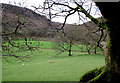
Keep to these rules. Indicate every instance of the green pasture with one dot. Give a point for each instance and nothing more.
(39, 44)
(46, 64)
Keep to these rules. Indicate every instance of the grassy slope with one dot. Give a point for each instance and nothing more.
(64, 68)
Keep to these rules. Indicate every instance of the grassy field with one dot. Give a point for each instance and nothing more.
(42, 45)
(47, 65)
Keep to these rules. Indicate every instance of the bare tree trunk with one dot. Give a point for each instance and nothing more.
(95, 48)
(70, 52)
(113, 48)
(111, 72)
(88, 49)
(113, 31)
(70, 48)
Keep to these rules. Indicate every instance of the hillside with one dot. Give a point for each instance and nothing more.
(12, 13)
(34, 22)
(36, 25)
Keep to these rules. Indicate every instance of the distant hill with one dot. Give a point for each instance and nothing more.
(36, 25)
(11, 13)
(34, 22)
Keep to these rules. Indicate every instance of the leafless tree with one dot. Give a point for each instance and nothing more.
(13, 29)
(111, 24)
(66, 40)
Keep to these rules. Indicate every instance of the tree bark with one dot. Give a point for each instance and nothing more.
(70, 48)
(95, 48)
(88, 49)
(70, 52)
(111, 72)
(111, 13)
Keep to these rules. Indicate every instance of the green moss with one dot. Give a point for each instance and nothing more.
(108, 39)
(97, 78)
(109, 47)
(104, 19)
(100, 75)
(90, 75)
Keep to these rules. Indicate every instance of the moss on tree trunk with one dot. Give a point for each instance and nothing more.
(111, 72)
(100, 75)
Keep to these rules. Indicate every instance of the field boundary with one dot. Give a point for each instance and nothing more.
(72, 50)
